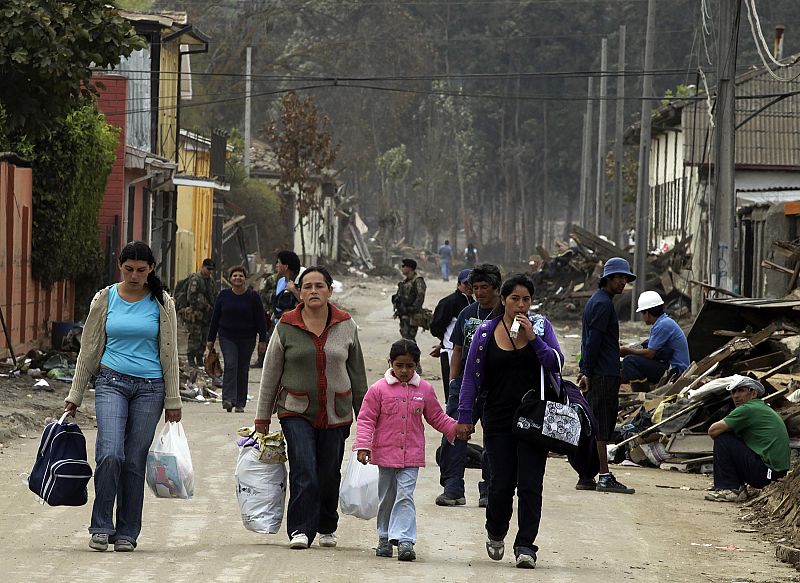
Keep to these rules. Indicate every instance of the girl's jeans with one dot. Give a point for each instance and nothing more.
(397, 515)
(128, 409)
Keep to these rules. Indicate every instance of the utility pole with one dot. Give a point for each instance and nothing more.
(643, 178)
(600, 184)
(584, 147)
(247, 90)
(722, 264)
(586, 166)
(619, 150)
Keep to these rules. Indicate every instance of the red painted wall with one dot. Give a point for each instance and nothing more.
(112, 102)
(28, 308)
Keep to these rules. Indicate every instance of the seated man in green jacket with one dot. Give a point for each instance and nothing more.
(751, 445)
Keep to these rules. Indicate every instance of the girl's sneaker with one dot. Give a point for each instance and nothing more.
(405, 551)
(384, 548)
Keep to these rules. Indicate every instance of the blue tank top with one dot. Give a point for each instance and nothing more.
(132, 337)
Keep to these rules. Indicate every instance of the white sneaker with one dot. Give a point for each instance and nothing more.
(298, 541)
(327, 540)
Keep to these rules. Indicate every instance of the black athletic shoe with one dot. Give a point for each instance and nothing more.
(586, 484)
(609, 483)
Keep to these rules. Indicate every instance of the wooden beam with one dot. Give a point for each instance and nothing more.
(770, 265)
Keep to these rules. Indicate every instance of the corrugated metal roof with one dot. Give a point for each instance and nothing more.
(771, 138)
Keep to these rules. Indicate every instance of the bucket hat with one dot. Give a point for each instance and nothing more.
(617, 265)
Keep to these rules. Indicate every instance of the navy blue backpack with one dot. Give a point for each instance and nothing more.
(61, 472)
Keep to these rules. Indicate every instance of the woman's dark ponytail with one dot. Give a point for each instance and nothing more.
(156, 286)
(140, 251)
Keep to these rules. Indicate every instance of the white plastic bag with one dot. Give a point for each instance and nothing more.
(169, 470)
(261, 491)
(358, 494)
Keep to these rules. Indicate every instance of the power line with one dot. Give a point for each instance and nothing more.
(578, 74)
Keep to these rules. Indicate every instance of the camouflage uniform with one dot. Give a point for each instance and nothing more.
(408, 302)
(201, 295)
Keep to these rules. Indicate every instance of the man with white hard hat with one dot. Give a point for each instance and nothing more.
(665, 350)
(751, 444)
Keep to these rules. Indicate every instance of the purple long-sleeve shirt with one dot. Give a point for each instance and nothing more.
(545, 344)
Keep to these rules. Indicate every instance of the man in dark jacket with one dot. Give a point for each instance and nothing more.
(444, 319)
(599, 376)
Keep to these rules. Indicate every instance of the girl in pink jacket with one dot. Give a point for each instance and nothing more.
(391, 435)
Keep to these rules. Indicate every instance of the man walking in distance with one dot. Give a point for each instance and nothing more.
(409, 298)
(201, 292)
(599, 376)
(267, 295)
(444, 321)
(445, 258)
(287, 296)
(485, 280)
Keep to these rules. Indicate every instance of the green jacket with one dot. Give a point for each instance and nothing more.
(201, 294)
(321, 379)
(410, 296)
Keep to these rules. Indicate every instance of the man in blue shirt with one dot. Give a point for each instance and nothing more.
(599, 376)
(485, 280)
(445, 257)
(665, 350)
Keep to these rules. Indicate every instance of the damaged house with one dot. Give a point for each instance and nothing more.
(767, 181)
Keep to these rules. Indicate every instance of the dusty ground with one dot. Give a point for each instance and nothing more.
(657, 535)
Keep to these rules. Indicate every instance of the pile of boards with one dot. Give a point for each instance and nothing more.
(567, 277)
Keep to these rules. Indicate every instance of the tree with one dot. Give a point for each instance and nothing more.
(393, 166)
(46, 53)
(304, 149)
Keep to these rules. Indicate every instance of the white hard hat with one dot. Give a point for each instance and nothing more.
(649, 299)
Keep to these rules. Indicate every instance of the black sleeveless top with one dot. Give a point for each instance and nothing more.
(509, 375)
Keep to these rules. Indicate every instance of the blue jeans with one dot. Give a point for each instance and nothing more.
(445, 266)
(128, 410)
(397, 515)
(315, 462)
(454, 457)
(236, 353)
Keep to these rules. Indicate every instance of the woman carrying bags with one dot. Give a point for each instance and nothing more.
(238, 316)
(504, 362)
(314, 376)
(130, 343)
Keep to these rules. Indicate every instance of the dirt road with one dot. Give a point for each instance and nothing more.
(657, 535)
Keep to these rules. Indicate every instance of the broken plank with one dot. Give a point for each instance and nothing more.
(774, 370)
(770, 265)
(765, 361)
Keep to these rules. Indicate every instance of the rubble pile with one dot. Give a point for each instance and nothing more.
(667, 426)
(567, 278)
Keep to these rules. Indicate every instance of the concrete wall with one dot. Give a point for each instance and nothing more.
(28, 308)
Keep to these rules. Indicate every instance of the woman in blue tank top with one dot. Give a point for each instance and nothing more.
(129, 344)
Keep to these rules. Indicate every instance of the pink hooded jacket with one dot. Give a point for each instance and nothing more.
(390, 421)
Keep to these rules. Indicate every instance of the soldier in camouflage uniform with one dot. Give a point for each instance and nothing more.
(409, 298)
(201, 294)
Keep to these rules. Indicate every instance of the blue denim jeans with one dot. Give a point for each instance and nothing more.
(445, 266)
(397, 515)
(236, 353)
(128, 410)
(315, 462)
(454, 457)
